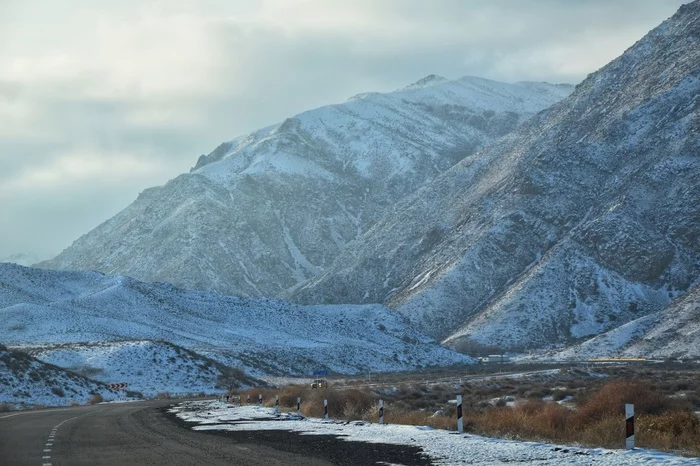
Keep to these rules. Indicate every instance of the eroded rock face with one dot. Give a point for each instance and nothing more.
(271, 209)
(582, 219)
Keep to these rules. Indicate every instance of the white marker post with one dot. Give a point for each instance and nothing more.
(298, 406)
(260, 399)
(629, 425)
(277, 404)
(247, 400)
(381, 411)
(325, 409)
(460, 425)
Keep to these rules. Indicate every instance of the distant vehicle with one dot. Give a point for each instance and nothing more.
(494, 358)
(319, 383)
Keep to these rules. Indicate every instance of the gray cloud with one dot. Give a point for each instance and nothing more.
(104, 99)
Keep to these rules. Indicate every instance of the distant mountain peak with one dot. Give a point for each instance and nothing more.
(429, 80)
(21, 259)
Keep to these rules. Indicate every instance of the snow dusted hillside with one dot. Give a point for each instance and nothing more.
(149, 367)
(262, 337)
(671, 333)
(268, 210)
(25, 381)
(583, 219)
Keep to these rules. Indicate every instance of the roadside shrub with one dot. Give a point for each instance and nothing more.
(96, 398)
(4, 407)
(611, 399)
(288, 397)
(670, 431)
(58, 391)
(356, 403)
(163, 396)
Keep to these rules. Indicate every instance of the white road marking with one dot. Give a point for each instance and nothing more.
(53, 434)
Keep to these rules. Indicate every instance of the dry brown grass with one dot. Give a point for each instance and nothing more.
(597, 420)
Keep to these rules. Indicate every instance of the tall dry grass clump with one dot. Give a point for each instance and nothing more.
(610, 400)
(532, 419)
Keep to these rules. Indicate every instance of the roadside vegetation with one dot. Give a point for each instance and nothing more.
(574, 406)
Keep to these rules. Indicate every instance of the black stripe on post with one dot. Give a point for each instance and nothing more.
(629, 426)
(460, 425)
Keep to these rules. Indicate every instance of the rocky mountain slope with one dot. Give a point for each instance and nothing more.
(44, 308)
(26, 381)
(584, 218)
(673, 332)
(266, 211)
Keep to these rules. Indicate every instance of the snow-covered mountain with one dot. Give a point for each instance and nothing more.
(26, 381)
(262, 337)
(671, 333)
(268, 210)
(21, 259)
(584, 218)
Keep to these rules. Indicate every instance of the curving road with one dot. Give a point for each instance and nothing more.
(142, 434)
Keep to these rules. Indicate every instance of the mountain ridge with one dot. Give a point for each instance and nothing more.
(580, 220)
(268, 210)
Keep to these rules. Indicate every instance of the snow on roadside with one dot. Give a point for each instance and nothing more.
(442, 446)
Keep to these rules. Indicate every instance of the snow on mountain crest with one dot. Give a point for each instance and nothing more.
(429, 80)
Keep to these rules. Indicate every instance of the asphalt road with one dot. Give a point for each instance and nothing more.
(142, 434)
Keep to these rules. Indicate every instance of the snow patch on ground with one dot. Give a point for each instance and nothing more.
(443, 447)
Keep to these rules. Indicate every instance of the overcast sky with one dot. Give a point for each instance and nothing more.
(100, 100)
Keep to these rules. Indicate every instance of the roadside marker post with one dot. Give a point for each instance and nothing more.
(260, 399)
(381, 411)
(629, 426)
(247, 401)
(460, 425)
(277, 404)
(325, 409)
(298, 406)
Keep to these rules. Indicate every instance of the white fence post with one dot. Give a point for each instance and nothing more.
(325, 409)
(260, 399)
(381, 411)
(629, 426)
(277, 404)
(247, 400)
(298, 406)
(460, 425)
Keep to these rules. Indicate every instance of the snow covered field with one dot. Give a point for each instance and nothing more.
(443, 447)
